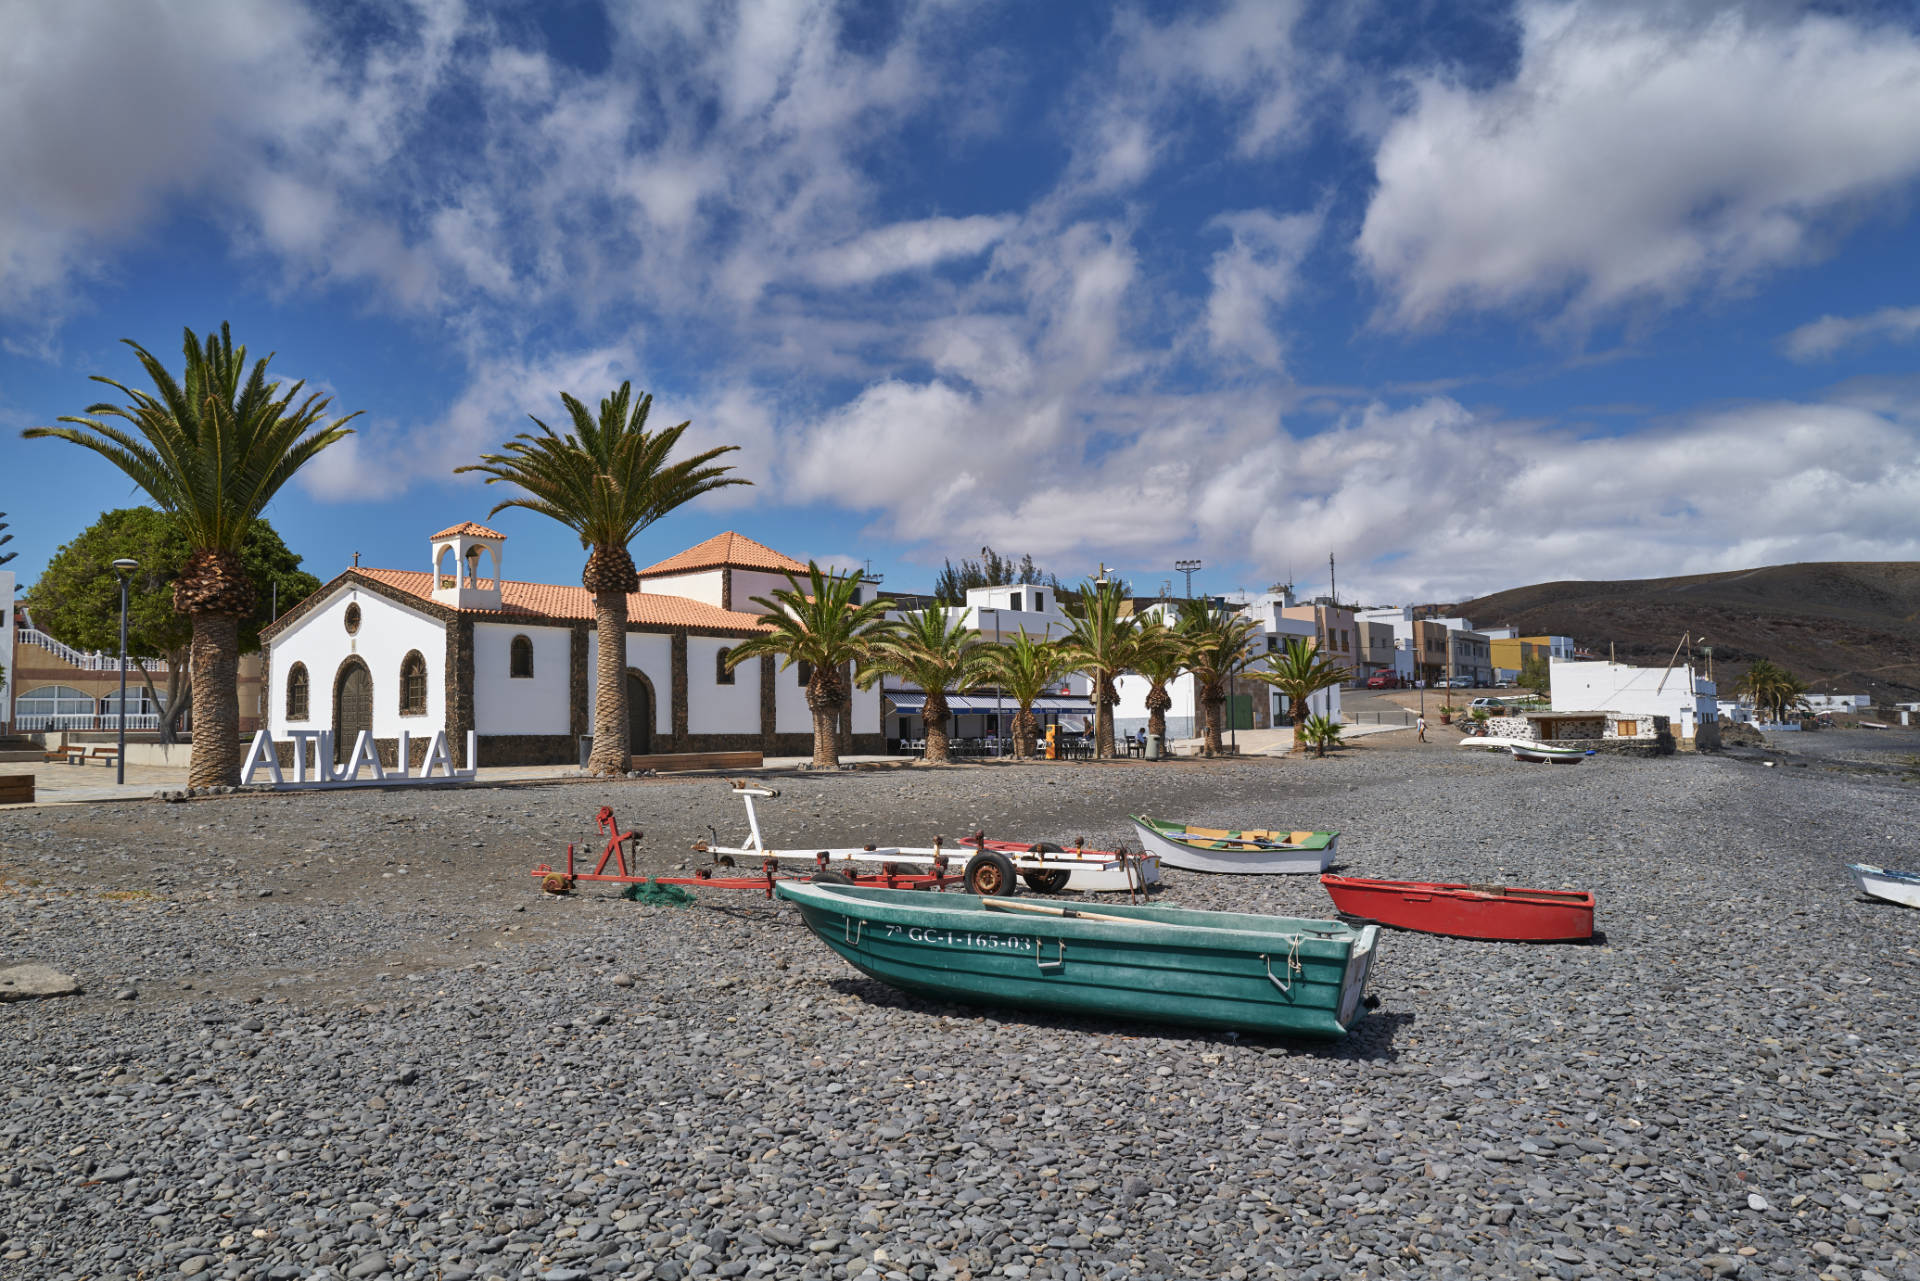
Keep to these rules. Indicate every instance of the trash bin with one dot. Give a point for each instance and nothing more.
(1153, 747)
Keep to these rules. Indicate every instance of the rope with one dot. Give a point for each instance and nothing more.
(654, 894)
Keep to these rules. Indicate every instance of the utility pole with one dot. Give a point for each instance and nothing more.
(1333, 584)
(1187, 567)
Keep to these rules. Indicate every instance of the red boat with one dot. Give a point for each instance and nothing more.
(1467, 911)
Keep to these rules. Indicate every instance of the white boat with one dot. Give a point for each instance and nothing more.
(1049, 869)
(1213, 849)
(1895, 887)
(1491, 742)
(1538, 752)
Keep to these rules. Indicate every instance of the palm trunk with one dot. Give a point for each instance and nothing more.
(1104, 699)
(1158, 700)
(1213, 707)
(216, 701)
(1026, 733)
(612, 752)
(826, 738)
(936, 715)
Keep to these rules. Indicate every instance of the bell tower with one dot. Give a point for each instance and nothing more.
(458, 553)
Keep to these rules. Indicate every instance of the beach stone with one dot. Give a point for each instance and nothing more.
(35, 982)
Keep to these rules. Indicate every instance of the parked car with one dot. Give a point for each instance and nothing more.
(1459, 682)
(1383, 680)
(1494, 706)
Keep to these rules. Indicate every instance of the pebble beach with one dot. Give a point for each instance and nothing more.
(345, 1035)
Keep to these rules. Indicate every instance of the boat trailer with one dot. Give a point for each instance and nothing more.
(614, 853)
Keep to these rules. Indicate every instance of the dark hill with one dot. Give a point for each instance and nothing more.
(1848, 627)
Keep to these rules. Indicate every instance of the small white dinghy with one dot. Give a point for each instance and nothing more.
(1895, 887)
(1491, 742)
(1538, 752)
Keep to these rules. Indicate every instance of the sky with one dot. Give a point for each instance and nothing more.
(1467, 295)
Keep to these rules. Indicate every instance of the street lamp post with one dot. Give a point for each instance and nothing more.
(999, 711)
(123, 567)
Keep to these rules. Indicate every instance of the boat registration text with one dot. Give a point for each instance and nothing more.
(964, 938)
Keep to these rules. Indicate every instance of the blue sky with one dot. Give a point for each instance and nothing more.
(1468, 295)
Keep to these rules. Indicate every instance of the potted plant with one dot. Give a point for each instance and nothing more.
(1447, 713)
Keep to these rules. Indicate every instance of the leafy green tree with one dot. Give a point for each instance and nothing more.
(77, 598)
(607, 479)
(1536, 674)
(1219, 646)
(1299, 672)
(1024, 669)
(1774, 691)
(936, 650)
(819, 625)
(211, 450)
(951, 585)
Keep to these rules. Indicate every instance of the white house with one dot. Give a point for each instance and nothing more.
(454, 648)
(1849, 703)
(1687, 700)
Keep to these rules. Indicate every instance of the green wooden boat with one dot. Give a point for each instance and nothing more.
(1269, 974)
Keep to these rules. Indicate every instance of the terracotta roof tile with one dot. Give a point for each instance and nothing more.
(573, 604)
(469, 528)
(736, 550)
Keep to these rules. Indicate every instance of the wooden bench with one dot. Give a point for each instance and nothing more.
(668, 762)
(105, 755)
(56, 754)
(16, 789)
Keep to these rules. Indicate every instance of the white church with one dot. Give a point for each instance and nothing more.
(460, 647)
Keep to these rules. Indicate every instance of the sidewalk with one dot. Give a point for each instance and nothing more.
(1279, 742)
(58, 784)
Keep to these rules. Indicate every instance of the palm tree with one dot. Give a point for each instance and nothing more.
(607, 479)
(820, 627)
(1101, 644)
(1160, 655)
(1299, 671)
(936, 650)
(1218, 648)
(211, 451)
(1024, 669)
(1774, 690)
(1321, 732)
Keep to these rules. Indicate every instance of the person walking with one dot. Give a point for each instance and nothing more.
(1422, 723)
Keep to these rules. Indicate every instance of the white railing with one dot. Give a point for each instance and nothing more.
(85, 721)
(94, 662)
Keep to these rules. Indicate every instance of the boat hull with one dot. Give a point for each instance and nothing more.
(1194, 857)
(1536, 755)
(1895, 887)
(1270, 975)
(1467, 911)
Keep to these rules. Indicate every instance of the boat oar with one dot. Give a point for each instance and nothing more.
(1044, 909)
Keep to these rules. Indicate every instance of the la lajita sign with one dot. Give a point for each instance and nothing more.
(317, 745)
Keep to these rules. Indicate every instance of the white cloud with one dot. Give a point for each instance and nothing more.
(1638, 154)
(1252, 277)
(905, 246)
(1819, 339)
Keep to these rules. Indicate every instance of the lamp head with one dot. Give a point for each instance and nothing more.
(125, 565)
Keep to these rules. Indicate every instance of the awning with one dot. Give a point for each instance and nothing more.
(975, 704)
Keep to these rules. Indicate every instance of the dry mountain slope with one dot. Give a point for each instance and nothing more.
(1844, 626)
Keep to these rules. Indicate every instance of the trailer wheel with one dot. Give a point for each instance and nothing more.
(725, 860)
(989, 873)
(830, 878)
(556, 883)
(1047, 847)
(1048, 880)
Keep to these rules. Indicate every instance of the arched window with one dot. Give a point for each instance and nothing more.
(803, 671)
(297, 692)
(53, 707)
(520, 657)
(353, 619)
(722, 674)
(413, 685)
